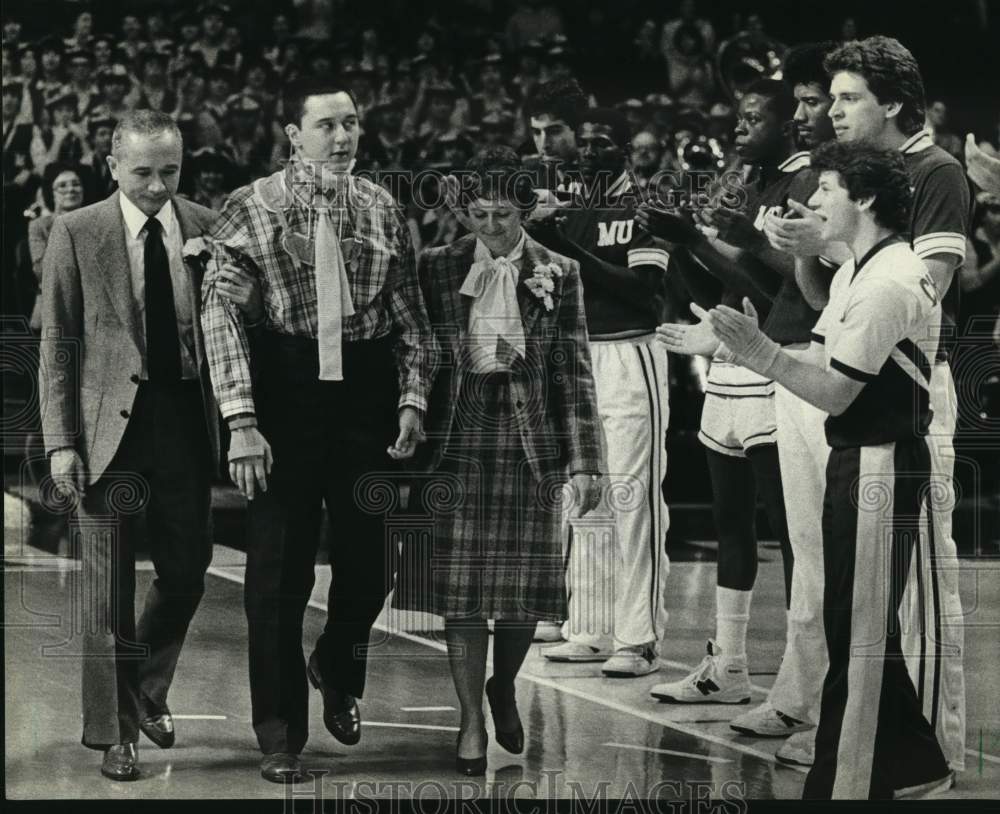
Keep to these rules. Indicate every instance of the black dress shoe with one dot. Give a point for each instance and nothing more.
(340, 709)
(512, 739)
(120, 762)
(471, 766)
(281, 767)
(159, 728)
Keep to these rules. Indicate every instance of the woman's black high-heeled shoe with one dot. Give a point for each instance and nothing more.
(512, 739)
(471, 766)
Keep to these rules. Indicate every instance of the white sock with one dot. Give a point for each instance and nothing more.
(732, 615)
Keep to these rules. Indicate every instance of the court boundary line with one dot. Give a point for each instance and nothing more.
(601, 701)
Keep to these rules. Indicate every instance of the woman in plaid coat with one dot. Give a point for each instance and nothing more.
(513, 429)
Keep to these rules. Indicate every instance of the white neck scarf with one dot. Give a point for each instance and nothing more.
(333, 296)
(495, 314)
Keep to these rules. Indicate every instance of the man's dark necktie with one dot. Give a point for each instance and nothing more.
(163, 349)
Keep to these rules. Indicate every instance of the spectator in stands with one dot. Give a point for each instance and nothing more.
(115, 85)
(492, 96)
(99, 132)
(689, 66)
(688, 17)
(258, 86)
(232, 43)
(59, 138)
(211, 45)
(132, 44)
(52, 78)
(220, 88)
(103, 51)
(647, 155)
(63, 190)
(157, 32)
(83, 32)
(17, 136)
(81, 82)
(937, 123)
(212, 175)
(533, 19)
(154, 92)
(248, 142)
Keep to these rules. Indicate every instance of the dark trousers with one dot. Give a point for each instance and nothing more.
(163, 465)
(872, 739)
(329, 441)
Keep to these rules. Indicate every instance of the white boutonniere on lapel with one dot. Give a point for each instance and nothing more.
(542, 282)
(197, 249)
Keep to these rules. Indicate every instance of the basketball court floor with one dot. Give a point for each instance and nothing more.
(587, 736)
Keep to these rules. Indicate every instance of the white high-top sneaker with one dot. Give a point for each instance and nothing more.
(717, 680)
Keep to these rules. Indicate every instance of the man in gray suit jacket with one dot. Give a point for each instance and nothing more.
(130, 422)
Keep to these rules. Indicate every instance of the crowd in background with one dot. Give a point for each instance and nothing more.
(434, 82)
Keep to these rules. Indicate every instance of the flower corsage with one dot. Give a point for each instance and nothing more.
(542, 282)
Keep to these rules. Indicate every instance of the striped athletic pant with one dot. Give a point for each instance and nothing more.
(617, 556)
(873, 739)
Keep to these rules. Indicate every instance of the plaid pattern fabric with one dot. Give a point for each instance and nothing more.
(494, 552)
(503, 445)
(272, 225)
(553, 387)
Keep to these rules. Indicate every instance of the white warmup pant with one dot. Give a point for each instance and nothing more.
(802, 454)
(931, 617)
(617, 559)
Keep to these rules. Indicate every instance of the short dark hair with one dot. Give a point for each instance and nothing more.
(496, 172)
(870, 172)
(779, 96)
(145, 123)
(891, 72)
(621, 132)
(53, 171)
(804, 64)
(559, 98)
(297, 91)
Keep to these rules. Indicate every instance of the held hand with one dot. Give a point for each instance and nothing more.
(67, 471)
(586, 493)
(411, 433)
(691, 340)
(250, 461)
(241, 289)
(668, 226)
(799, 234)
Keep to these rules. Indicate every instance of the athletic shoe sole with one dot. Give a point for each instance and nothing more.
(744, 730)
(577, 659)
(673, 700)
(630, 673)
(791, 761)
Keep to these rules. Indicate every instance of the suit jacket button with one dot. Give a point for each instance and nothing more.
(124, 413)
(134, 378)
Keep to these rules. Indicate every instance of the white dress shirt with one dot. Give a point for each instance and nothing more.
(135, 240)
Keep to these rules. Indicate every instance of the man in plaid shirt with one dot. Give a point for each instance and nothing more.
(340, 363)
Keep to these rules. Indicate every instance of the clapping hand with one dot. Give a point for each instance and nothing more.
(737, 229)
(743, 336)
(666, 225)
(799, 235)
(739, 330)
(690, 340)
